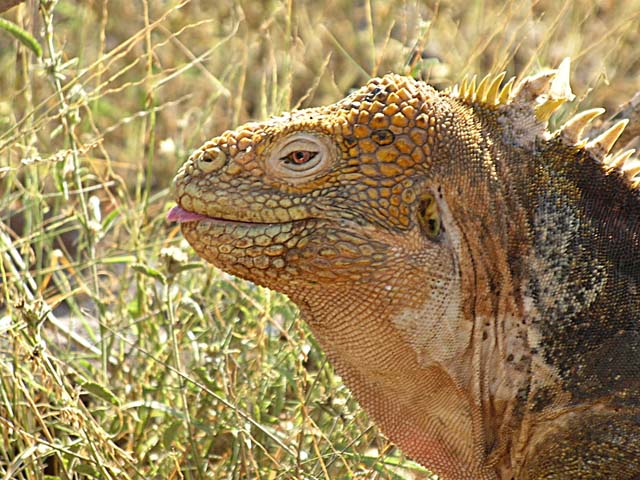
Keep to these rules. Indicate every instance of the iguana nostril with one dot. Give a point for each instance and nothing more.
(211, 160)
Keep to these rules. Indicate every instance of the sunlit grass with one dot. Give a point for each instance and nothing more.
(121, 354)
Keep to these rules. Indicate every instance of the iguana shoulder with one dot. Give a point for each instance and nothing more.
(472, 276)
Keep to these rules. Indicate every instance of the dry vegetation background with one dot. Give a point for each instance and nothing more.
(123, 356)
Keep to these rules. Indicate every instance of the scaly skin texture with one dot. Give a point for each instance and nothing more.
(473, 278)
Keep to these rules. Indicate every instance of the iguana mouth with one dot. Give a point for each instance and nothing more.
(180, 215)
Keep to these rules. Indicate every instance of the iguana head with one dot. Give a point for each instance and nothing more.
(323, 195)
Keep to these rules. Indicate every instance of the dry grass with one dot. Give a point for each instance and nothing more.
(123, 356)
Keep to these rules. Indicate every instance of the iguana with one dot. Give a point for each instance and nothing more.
(473, 277)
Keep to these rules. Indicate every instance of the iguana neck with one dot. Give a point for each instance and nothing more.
(398, 347)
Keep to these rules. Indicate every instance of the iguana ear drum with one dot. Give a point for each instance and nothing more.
(429, 216)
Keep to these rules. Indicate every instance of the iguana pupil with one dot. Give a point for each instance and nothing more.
(299, 157)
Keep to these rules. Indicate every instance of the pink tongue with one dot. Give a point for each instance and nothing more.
(179, 214)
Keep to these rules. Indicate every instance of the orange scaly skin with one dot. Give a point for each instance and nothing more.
(453, 259)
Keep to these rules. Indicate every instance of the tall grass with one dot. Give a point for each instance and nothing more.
(121, 354)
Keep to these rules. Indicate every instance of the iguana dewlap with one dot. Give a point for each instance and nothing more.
(473, 278)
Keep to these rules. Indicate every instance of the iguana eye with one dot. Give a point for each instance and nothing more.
(299, 157)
